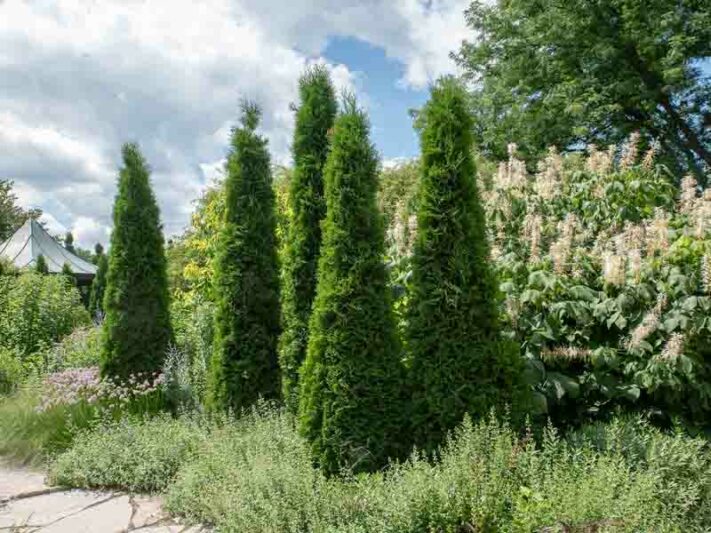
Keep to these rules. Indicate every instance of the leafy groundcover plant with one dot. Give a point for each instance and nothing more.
(255, 474)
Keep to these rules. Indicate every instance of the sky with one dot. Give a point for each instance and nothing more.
(79, 77)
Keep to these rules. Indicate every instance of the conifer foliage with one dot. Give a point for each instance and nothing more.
(98, 287)
(314, 119)
(351, 380)
(459, 365)
(137, 328)
(41, 266)
(244, 365)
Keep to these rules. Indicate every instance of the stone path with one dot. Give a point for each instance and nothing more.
(28, 505)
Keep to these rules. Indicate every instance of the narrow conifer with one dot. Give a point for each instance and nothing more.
(244, 364)
(41, 266)
(314, 119)
(351, 380)
(459, 365)
(137, 328)
(98, 287)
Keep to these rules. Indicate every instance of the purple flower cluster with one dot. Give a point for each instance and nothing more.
(85, 385)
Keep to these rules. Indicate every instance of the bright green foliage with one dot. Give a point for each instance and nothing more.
(68, 274)
(12, 216)
(244, 364)
(350, 408)
(606, 268)
(137, 328)
(565, 73)
(459, 364)
(41, 266)
(37, 310)
(140, 457)
(98, 286)
(314, 119)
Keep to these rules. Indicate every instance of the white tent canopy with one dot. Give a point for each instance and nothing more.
(31, 241)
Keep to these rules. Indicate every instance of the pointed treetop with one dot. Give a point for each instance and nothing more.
(251, 115)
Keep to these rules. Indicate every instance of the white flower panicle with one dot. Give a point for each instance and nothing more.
(547, 184)
(630, 151)
(706, 274)
(648, 159)
(562, 248)
(512, 174)
(657, 232)
(687, 199)
(570, 353)
(673, 348)
(599, 162)
(532, 229)
(613, 268)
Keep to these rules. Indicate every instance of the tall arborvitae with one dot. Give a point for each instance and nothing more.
(244, 364)
(98, 287)
(351, 382)
(314, 119)
(459, 364)
(41, 266)
(137, 328)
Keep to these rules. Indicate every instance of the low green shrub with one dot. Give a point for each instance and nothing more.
(136, 454)
(255, 474)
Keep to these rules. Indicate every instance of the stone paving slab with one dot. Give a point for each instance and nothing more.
(28, 505)
(17, 481)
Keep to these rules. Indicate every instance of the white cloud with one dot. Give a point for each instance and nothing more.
(79, 78)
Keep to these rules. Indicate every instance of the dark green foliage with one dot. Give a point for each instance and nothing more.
(314, 119)
(41, 266)
(68, 274)
(459, 364)
(351, 382)
(69, 242)
(244, 364)
(98, 287)
(565, 73)
(98, 252)
(137, 328)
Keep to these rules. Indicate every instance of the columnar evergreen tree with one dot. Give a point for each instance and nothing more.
(137, 328)
(69, 242)
(67, 273)
(459, 364)
(98, 287)
(41, 266)
(351, 381)
(98, 253)
(314, 119)
(244, 365)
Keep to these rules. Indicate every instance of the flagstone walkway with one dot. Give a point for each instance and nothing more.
(28, 505)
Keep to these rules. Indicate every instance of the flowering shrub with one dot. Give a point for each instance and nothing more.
(85, 385)
(604, 265)
(605, 272)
